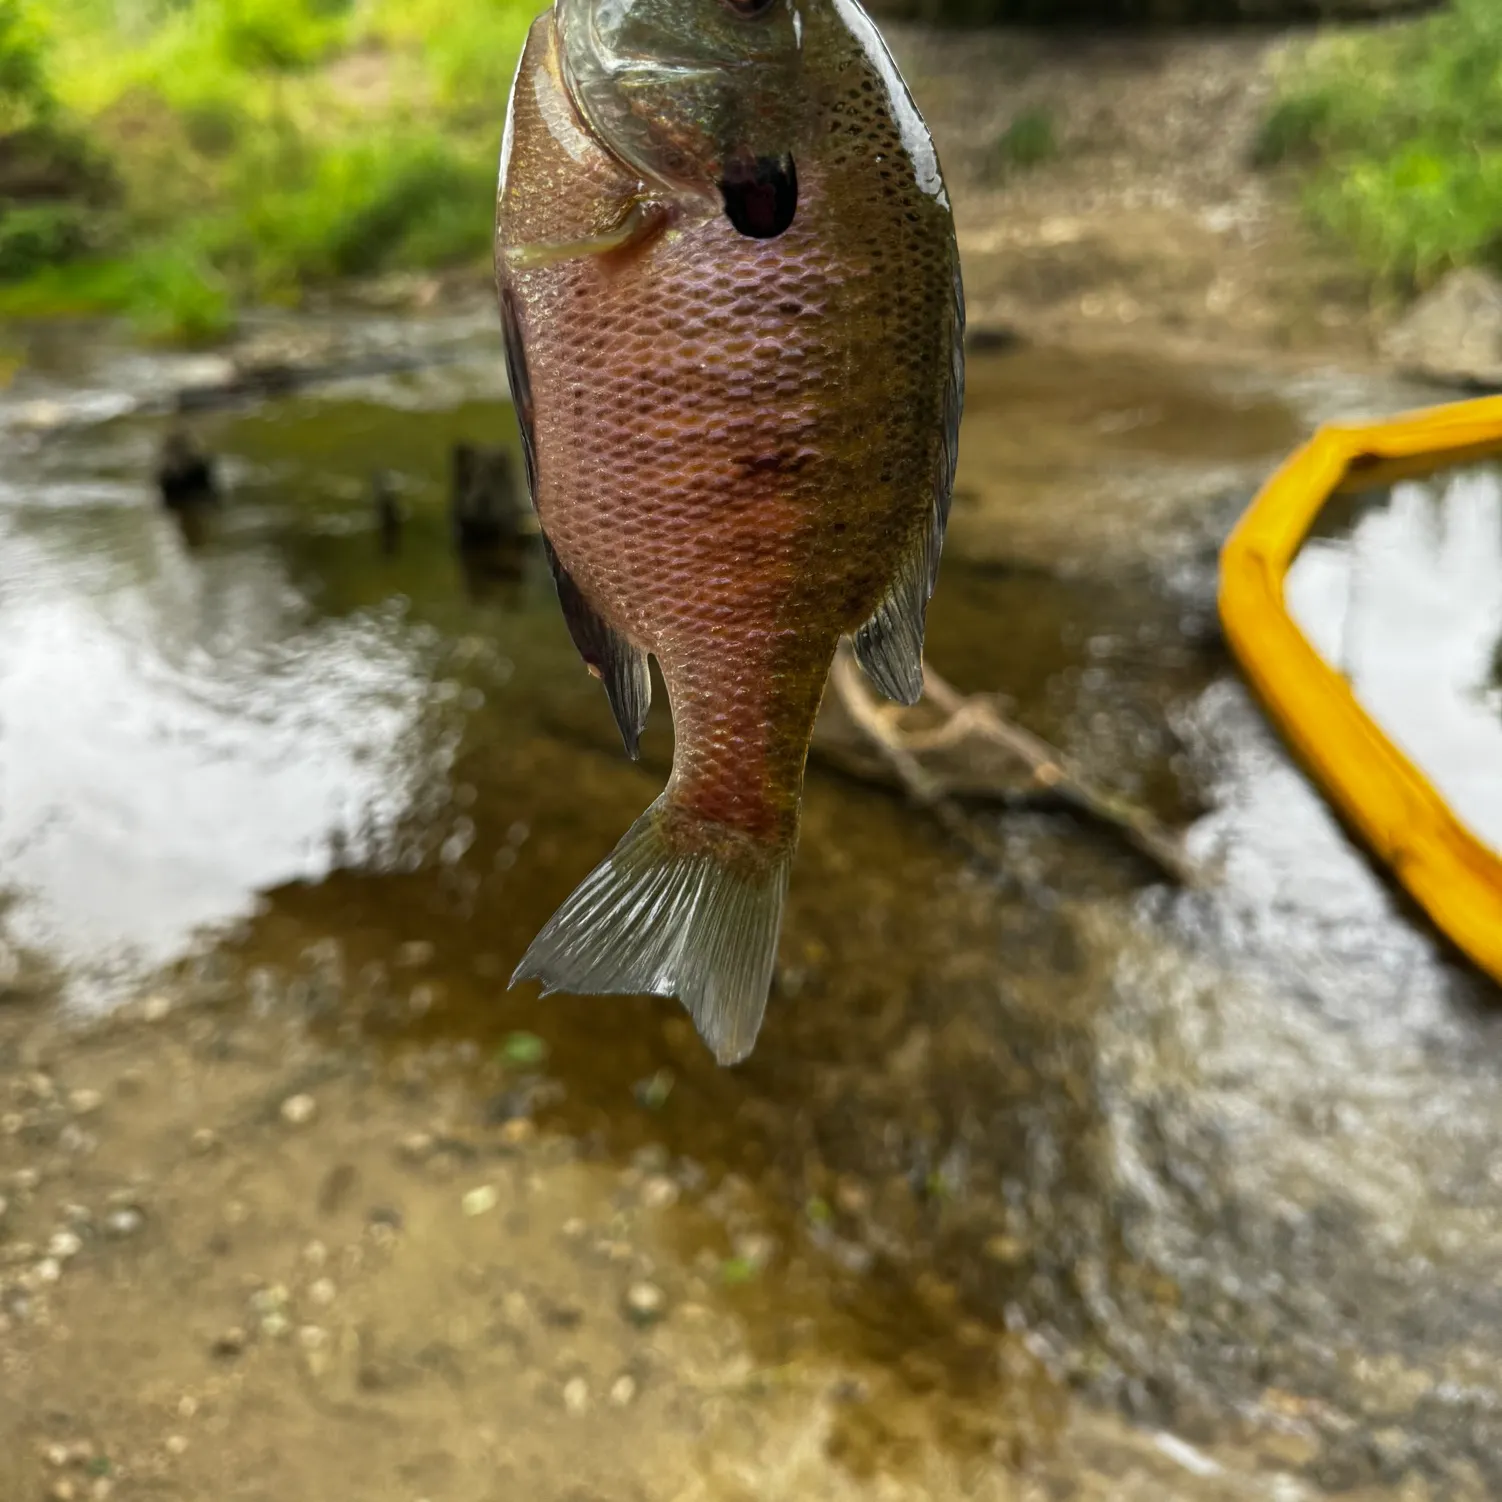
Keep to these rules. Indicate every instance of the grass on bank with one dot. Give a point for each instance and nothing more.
(1399, 132)
(246, 150)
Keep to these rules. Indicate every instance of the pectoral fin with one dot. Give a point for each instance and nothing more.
(889, 646)
(621, 667)
(643, 219)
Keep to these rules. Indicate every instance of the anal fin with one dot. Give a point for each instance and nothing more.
(621, 667)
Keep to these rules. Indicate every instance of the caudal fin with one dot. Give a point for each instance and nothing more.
(696, 918)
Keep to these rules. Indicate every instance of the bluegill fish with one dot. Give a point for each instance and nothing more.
(734, 333)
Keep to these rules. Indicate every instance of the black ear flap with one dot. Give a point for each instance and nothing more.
(761, 196)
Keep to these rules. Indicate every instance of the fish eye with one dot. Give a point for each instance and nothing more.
(749, 9)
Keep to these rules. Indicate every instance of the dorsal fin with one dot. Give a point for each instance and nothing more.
(889, 646)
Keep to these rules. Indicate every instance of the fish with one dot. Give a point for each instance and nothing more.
(733, 320)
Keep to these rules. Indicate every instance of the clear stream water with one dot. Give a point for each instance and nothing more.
(1216, 1151)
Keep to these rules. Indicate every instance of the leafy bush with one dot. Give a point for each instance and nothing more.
(34, 236)
(1399, 131)
(264, 146)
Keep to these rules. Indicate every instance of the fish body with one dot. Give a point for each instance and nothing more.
(733, 316)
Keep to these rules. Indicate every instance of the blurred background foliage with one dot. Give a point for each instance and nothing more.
(171, 158)
(175, 159)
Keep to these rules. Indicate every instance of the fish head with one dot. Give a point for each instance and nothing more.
(701, 96)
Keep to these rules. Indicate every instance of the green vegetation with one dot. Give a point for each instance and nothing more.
(204, 153)
(1029, 141)
(1399, 133)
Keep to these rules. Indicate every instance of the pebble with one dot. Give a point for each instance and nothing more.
(123, 1223)
(480, 1201)
(156, 1008)
(269, 1300)
(323, 1293)
(576, 1395)
(275, 1326)
(652, 1158)
(312, 1337)
(852, 1197)
(755, 1249)
(203, 1141)
(623, 1391)
(176, 1444)
(645, 1304)
(64, 1246)
(659, 1192)
(63, 1491)
(85, 1102)
(315, 1254)
(518, 1130)
(417, 1147)
(299, 1110)
(49, 1270)
(57, 1456)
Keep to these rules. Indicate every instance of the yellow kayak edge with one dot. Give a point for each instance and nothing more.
(1454, 876)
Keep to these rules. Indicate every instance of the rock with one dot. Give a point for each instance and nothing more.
(1453, 334)
(659, 1192)
(645, 1304)
(85, 1102)
(123, 1223)
(299, 1110)
(480, 1201)
(323, 1292)
(64, 1246)
(623, 1391)
(576, 1395)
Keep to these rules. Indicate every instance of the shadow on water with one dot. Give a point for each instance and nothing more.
(1224, 1159)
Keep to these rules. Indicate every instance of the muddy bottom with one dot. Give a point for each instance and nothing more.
(1045, 1180)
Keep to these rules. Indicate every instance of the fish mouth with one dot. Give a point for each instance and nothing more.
(760, 195)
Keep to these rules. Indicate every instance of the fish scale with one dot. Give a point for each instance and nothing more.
(741, 449)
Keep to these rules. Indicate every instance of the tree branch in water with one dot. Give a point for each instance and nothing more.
(973, 722)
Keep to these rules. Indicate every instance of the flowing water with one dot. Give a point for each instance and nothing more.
(1048, 1145)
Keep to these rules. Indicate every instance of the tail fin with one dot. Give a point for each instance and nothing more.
(696, 918)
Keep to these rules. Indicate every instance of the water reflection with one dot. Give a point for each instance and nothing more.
(178, 728)
(1408, 606)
